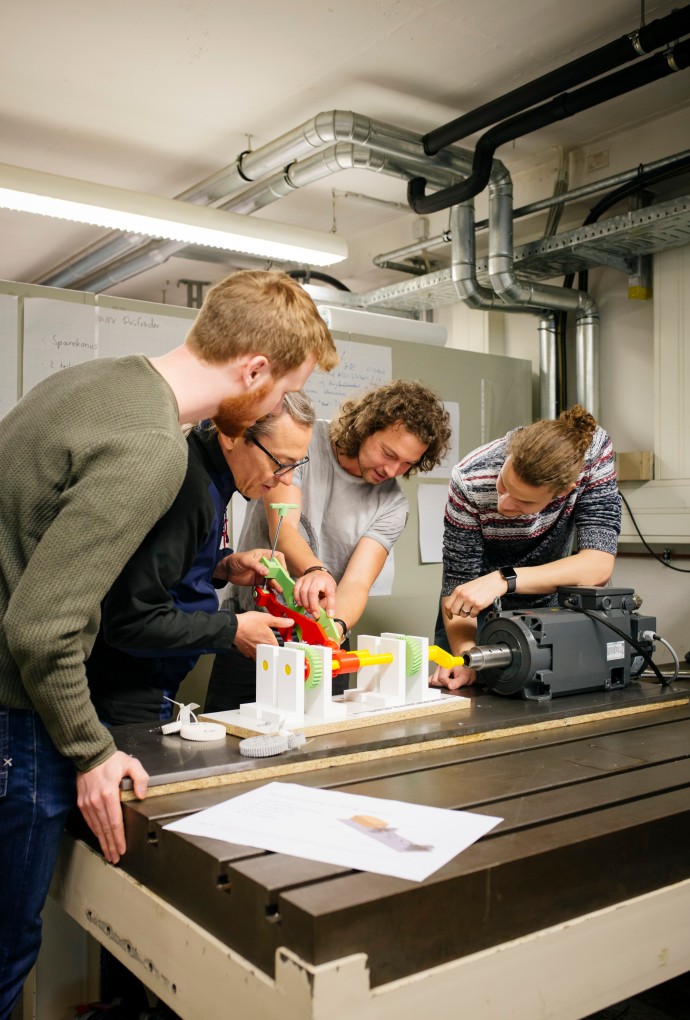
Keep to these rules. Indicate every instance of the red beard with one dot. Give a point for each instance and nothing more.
(235, 414)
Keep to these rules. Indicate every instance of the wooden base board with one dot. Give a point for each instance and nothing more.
(238, 724)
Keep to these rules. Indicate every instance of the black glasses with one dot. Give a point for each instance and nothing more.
(282, 469)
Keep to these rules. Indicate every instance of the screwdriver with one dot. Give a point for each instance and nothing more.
(282, 510)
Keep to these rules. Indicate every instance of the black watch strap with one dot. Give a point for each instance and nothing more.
(346, 632)
(509, 574)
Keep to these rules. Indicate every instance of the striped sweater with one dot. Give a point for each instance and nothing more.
(478, 540)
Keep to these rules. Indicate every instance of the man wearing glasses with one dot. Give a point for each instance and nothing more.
(162, 612)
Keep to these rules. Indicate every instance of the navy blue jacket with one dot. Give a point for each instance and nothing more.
(162, 612)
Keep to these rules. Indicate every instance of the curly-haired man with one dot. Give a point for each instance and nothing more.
(350, 511)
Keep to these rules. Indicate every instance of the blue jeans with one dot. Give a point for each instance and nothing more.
(37, 791)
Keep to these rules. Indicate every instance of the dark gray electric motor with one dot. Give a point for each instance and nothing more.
(544, 653)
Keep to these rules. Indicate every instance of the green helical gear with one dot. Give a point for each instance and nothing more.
(312, 659)
(413, 654)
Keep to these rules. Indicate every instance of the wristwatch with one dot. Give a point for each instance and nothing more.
(343, 625)
(509, 574)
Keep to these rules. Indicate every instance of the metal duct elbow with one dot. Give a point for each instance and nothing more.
(501, 261)
(469, 290)
(301, 173)
(463, 261)
(337, 126)
(341, 156)
(325, 128)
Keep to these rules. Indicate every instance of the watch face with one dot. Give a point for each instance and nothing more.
(510, 576)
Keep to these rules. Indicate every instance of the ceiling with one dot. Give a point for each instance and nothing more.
(156, 95)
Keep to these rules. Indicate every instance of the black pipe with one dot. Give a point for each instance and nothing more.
(564, 106)
(613, 54)
(644, 179)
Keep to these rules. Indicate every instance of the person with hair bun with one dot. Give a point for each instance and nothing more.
(514, 508)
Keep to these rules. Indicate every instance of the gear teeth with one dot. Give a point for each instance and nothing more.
(313, 660)
(203, 731)
(413, 654)
(264, 745)
(296, 740)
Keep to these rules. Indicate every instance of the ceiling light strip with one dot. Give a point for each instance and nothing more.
(78, 201)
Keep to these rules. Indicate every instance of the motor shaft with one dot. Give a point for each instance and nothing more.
(487, 657)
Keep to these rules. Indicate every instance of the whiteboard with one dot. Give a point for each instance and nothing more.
(121, 331)
(57, 334)
(9, 352)
(60, 333)
(360, 368)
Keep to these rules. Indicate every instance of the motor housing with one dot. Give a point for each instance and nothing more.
(545, 653)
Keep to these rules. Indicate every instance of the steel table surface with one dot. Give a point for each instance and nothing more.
(593, 790)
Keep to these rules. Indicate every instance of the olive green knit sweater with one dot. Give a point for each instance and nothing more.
(89, 460)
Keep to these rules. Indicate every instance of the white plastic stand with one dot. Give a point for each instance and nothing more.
(281, 692)
(284, 698)
(388, 685)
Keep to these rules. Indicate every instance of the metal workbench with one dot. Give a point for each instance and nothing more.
(579, 898)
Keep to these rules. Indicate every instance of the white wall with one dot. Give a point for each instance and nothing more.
(665, 594)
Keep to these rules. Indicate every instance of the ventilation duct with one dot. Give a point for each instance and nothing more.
(342, 319)
(347, 141)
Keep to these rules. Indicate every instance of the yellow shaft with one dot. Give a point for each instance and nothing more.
(443, 658)
(367, 659)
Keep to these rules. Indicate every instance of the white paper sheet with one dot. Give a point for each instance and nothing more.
(431, 505)
(362, 367)
(386, 837)
(445, 468)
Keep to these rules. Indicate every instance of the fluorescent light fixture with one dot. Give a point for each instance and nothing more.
(343, 319)
(98, 204)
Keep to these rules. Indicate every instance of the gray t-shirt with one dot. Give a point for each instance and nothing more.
(337, 510)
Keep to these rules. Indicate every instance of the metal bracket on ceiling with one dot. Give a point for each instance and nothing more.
(195, 291)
